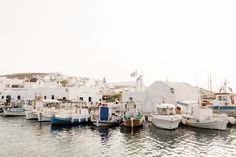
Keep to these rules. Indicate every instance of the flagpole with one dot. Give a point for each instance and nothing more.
(142, 81)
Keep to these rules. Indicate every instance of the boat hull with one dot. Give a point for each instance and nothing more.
(216, 124)
(105, 123)
(68, 121)
(7, 112)
(166, 122)
(31, 115)
(133, 122)
(44, 118)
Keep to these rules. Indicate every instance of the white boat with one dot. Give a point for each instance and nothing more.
(44, 117)
(31, 115)
(45, 109)
(202, 117)
(31, 112)
(10, 111)
(105, 117)
(166, 118)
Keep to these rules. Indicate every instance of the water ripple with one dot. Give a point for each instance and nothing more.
(20, 137)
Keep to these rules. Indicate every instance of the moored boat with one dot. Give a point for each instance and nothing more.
(105, 117)
(202, 117)
(80, 116)
(166, 118)
(224, 101)
(13, 111)
(44, 117)
(45, 109)
(132, 117)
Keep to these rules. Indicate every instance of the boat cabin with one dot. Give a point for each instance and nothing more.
(166, 109)
(225, 98)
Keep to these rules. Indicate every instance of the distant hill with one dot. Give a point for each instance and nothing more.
(23, 75)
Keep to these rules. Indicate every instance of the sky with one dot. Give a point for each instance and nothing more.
(182, 41)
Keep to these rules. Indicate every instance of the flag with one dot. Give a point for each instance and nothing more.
(134, 74)
(140, 78)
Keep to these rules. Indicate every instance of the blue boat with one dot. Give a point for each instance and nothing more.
(224, 101)
(71, 119)
(55, 120)
(106, 117)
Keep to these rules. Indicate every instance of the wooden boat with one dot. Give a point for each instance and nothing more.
(132, 117)
(133, 122)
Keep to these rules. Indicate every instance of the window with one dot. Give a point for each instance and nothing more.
(64, 98)
(219, 98)
(2, 97)
(18, 97)
(8, 98)
(130, 98)
(45, 97)
(81, 98)
(225, 98)
(53, 97)
(89, 99)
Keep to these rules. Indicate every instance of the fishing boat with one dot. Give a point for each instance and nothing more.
(225, 101)
(79, 116)
(166, 117)
(31, 111)
(46, 109)
(13, 111)
(198, 116)
(132, 117)
(14, 108)
(44, 116)
(104, 116)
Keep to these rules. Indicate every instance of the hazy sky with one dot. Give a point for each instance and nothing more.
(112, 38)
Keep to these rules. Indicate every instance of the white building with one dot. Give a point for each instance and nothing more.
(29, 91)
(159, 92)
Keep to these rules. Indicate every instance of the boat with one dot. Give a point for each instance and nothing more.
(44, 116)
(31, 111)
(31, 115)
(13, 111)
(13, 108)
(80, 116)
(104, 116)
(199, 116)
(132, 117)
(166, 117)
(224, 101)
(46, 109)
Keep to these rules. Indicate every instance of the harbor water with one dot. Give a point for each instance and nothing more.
(24, 138)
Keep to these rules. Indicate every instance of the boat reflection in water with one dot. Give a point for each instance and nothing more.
(103, 132)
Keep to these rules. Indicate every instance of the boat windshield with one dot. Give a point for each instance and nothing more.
(165, 111)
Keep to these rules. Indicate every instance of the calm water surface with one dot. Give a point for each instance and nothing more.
(22, 138)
